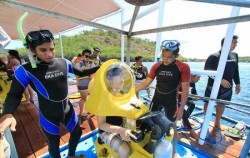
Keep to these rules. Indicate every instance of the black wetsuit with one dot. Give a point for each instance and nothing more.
(169, 78)
(231, 73)
(3, 66)
(187, 112)
(50, 81)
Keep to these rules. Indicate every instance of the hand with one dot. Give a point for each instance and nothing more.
(237, 89)
(196, 98)
(179, 113)
(144, 68)
(225, 84)
(126, 134)
(7, 120)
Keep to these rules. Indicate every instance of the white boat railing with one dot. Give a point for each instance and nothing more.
(216, 100)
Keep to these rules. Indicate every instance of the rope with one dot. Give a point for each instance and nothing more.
(193, 128)
(212, 141)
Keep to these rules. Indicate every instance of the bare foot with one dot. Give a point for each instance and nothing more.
(219, 127)
(213, 133)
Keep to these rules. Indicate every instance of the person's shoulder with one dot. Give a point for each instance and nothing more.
(234, 53)
(181, 63)
(216, 54)
(157, 63)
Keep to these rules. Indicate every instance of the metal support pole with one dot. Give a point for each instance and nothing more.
(122, 37)
(61, 46)
(160, 21)
(128, 50)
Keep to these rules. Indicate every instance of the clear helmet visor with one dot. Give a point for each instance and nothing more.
(119, 79)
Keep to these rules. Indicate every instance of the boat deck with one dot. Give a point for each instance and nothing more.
(31, 142)
(226, 147)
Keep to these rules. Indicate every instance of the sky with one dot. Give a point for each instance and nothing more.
(196, 42)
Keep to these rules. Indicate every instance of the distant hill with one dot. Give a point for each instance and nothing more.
(110, 44)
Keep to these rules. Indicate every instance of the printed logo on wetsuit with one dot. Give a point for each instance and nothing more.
(53, 74)
(166, 73)
(231, 60)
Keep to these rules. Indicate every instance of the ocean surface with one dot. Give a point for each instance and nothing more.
(241, 113)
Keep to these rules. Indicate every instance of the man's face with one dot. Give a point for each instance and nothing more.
(45, 52)
(139, 62)
(95, 53)
(233, 44)
(195, 78)
(168, 57)
(86, 57)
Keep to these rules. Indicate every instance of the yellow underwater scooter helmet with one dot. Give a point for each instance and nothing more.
(149, 127)
(102, 102)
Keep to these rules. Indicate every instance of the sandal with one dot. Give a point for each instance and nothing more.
(238, 131)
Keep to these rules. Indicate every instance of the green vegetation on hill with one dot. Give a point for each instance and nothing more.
(110, 44)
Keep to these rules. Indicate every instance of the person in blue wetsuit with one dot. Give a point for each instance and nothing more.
(231, 73)
(50, 81)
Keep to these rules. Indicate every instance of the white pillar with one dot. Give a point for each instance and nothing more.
(61, 46)
(218, 77)
(160, 21)
(122, 36)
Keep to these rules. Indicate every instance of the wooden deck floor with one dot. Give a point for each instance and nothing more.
(31, 142)
(226, 147)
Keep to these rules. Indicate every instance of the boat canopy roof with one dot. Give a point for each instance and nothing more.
(64, 15)
(55, 15)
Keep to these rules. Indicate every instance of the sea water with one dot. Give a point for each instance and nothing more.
(242, 97)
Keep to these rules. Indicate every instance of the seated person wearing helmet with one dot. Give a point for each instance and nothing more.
(50, 81)
(111, 130)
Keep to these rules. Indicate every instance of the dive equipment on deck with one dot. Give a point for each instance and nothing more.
(149, 127)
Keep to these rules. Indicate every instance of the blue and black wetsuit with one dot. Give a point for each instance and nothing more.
(50, 81)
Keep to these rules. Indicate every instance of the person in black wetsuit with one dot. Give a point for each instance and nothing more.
(170, 74)
(190, 105)
(50, 81)
(231, 73)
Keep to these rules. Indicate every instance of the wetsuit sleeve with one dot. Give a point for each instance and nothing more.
(81, 72)
(152, 73)
(185, 73)
(236, 72)
(211, 63)
(84, 72)
(13, 98)
(19, 83)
